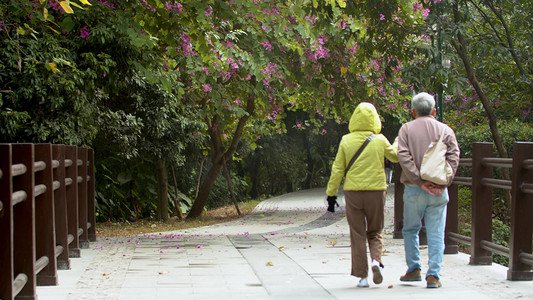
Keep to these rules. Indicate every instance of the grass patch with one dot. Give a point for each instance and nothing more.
(214, 216)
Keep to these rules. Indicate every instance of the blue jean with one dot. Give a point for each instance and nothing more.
(418, 204)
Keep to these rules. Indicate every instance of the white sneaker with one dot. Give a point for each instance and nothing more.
(376, 270)
(363, 283)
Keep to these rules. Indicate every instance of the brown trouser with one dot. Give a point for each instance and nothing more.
(364, 212)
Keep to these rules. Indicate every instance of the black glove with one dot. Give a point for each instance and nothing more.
(332, 200)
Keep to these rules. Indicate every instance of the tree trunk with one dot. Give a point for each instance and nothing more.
(218, 157)
(176, 197)
(205, 187)
(462, 52)
(228, 180)
(162, 191)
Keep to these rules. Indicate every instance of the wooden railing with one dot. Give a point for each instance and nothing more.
(482, 184)
(47, 213)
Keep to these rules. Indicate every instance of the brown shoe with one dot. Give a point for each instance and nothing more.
(411, 276)
(433, 282)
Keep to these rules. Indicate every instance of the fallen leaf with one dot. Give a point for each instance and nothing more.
(281, 248)
(390, 286)
(105, 274)
(269, 263)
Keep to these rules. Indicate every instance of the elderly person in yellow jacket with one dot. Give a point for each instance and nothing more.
(364, 189)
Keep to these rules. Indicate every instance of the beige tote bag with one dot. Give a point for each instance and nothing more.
(434, 166)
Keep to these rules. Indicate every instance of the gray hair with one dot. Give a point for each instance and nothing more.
(423, 104)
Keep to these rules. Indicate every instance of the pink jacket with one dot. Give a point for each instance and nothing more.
(413, 140)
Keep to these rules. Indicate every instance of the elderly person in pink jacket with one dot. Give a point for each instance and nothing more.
(421, 198)
(364, 189)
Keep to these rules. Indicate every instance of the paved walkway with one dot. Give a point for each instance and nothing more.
(288, 248)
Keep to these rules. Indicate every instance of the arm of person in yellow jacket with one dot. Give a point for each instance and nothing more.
(337, 172)
(391, 151)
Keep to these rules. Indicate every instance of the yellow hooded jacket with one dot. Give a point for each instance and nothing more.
(368, 171)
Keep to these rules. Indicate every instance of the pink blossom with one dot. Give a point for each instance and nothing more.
(186, 45)
(311, 19)
(174, 7)
(55, 6)
(266, 45)
(106, 3)
(208, 12)
(342, 24)
(382, 17)
(207, 87)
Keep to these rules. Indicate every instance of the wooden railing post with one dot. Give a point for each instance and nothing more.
(24, 220)
(451, 247)
(60, 204)
(6, 224)
(90, 196)
(45, 217)
(82, 197)
(481, 204)
(46, 206)
(71, 181)
(521, 214)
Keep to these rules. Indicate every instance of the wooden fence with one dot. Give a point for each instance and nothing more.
(47, 213)
(482, 183)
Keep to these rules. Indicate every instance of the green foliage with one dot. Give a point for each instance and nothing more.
(511, 131)
(501, 233)
(124, 191)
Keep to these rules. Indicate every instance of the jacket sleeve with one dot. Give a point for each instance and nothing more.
(391, 151)
(337, 172)
(409, 168)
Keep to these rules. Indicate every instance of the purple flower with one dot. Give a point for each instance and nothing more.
(382, 17)
(85, 32)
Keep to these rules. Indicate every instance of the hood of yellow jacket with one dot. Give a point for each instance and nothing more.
(365, 118)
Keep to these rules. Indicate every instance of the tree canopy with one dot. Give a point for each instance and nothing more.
(166, 83)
